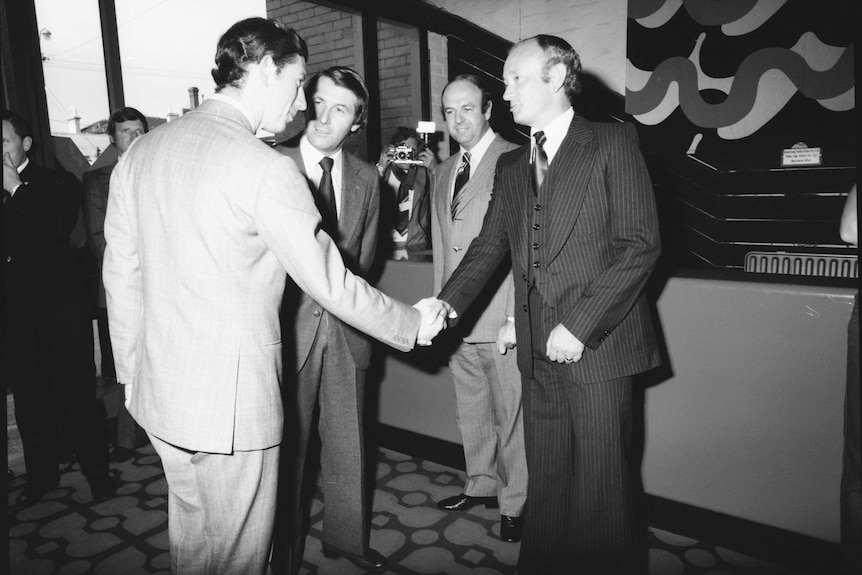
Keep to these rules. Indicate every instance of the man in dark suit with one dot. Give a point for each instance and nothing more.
(125, 125)
(579, 222)
(48, 331)
(407, 188)
(331, 357)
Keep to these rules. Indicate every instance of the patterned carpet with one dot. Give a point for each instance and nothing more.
(66, 534)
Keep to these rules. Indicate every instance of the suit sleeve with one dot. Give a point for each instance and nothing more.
(95, 207)
(289, 224)
(635, 242)
(370, 227)
(483, 257)
(122, 277)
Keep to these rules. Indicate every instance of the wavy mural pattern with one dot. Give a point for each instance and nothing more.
(764, 81)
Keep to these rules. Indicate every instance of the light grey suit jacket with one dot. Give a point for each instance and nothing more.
(452, 238)
(203, 221)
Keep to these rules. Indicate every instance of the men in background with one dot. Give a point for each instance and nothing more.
(575, 210)
(406, 202)
(487, 382)
(331, 357)
(125, 125)
(203, 221)
(48, 333)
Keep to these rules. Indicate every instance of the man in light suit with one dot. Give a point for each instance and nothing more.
(125, 125)
(203, 221)
(580, 225)
(487, 382)
(331, 357)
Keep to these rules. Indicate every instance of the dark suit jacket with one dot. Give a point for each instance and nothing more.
(358, 223)
(40, 268)
(419, 226)
(97, 183)
(597, 243)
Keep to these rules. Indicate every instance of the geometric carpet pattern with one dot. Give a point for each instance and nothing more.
(67, 534)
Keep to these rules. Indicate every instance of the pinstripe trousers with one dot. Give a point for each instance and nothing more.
(581, 513)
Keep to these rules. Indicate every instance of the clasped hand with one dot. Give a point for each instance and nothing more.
(434, 315)
(563, 347)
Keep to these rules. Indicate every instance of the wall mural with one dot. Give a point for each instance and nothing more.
(734, 82)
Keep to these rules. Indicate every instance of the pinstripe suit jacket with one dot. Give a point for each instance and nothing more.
(596, 245)
(203, 220)
(452, 237)
(358, 225)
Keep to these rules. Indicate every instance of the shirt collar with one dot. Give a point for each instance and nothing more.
(478, 151)
(311, 157)
(24, 164)
(555, 132)
(236, 104)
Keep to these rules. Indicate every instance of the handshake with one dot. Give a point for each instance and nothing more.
(435, 314)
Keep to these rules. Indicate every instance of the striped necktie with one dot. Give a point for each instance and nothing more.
(461, 178)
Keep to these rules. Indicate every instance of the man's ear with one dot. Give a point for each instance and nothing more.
(487, 113)
(27, 143)
(267, 69)
(558, 76)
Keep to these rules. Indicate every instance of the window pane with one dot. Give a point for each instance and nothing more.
(73, 64)
(167, 48)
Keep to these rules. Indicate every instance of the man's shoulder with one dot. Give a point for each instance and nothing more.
(99, 172)
(362, 168)
(513, 153)
(48, 176)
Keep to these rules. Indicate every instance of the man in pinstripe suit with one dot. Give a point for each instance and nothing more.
(487, 383)
(579, 222)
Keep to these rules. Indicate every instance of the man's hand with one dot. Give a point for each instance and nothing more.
(11, 178)
(563, 347)
(434, 313)
(386, 156)
(506, 336)
(429, 160)
(127, 391)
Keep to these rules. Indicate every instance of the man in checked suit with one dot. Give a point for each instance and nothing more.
(331, 357)
(582, 234)
(203, 221)
(487, 382)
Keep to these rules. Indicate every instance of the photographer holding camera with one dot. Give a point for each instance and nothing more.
(405, 168)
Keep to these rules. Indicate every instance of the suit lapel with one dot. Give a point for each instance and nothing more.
(568, 178)
(485, 171)
(353, 191)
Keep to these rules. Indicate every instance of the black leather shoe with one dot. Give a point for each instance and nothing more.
(511, 528)
(464, 502)
(371, 561)
(102, 488)
(32, 494)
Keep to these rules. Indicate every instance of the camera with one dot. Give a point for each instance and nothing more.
(404, 153)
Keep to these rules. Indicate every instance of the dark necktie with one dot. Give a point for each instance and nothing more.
(326, 197)
(461, 179)
(540, 162)
(408, 182)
